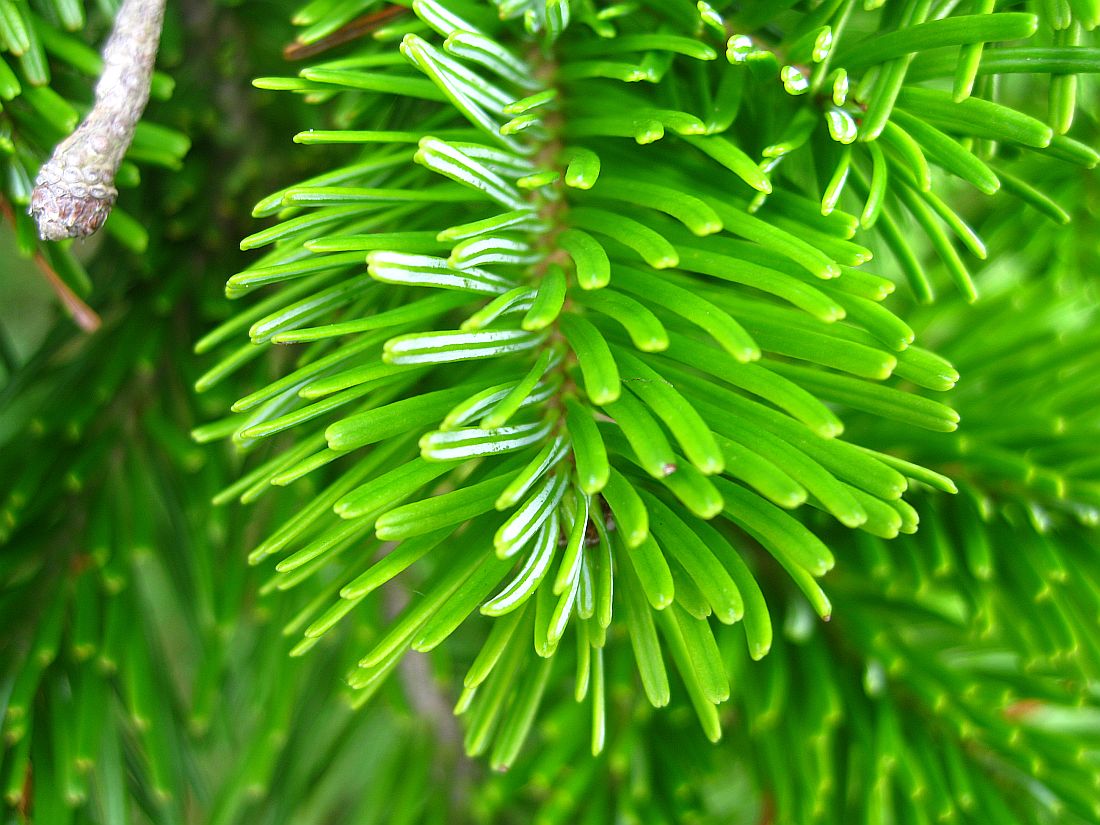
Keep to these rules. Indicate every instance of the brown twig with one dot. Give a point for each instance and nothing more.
(83, 315)
(359, 27)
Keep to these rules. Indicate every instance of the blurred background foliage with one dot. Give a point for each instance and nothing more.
(149, 673)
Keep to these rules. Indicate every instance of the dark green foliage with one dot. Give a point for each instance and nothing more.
(600, 351)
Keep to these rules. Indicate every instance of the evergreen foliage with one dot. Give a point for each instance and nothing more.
(606, 353)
